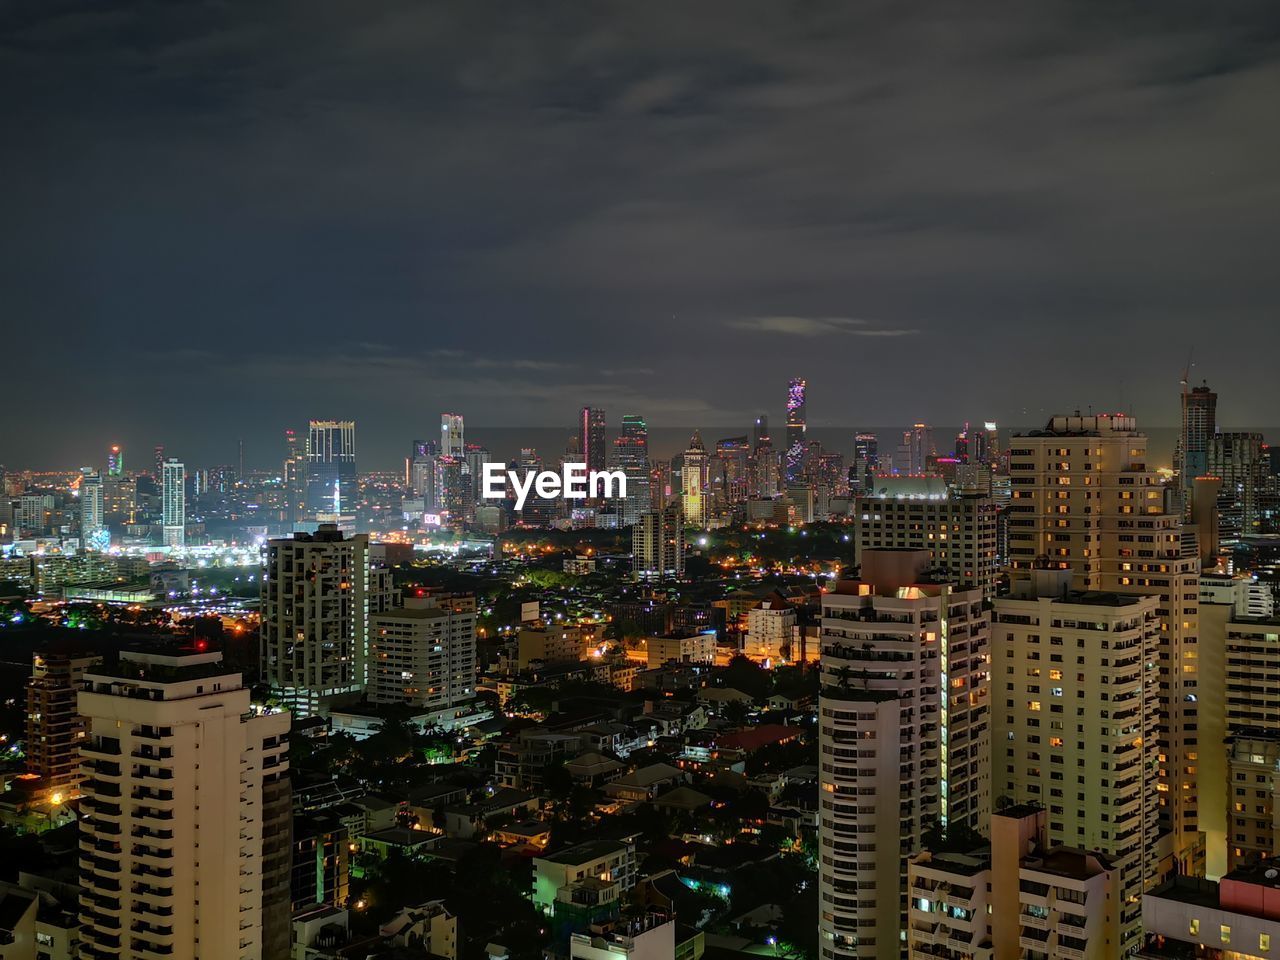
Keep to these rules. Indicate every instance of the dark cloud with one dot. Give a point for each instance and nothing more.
(222, 217)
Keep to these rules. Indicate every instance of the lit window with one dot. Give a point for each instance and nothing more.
(1194, 927)
(1225, 932)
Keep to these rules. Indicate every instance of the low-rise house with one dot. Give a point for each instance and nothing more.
(428, 928)
(644, 783)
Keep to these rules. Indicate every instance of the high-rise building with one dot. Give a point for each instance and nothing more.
(1084, 500)
(422, 473)
(453, 489)
(591, 438)
(317, 593)
(693, 483)
(185, 809)
(657, 548)
(476, 457)
(173, 491)
(424, 653)
(1253, 779)
(93, 529)
(293, 476)
(115, 461)
(957, 528)
(1199, 425)
(452, 443)
(904, 739)
(159, 461)
(729, 473)
(1237, 460)
(866, 460)
(1076, 725)
(771, 628)
(331, 466)
(759, 433)
(796, 425)
(55, 729)
(631, 456)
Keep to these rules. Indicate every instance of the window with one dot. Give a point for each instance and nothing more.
(1194, 927)
(1225, 932)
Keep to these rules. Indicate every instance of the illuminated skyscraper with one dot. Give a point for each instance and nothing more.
(795, 431)
(591, 434)
(451, 439)
(476, 457)
(657, 545)
(173, 490)
(115, 461)
(1085, 500)
(904, 736)
(693, 482)
(159, 451)
(93, 531)
(729, 471)
(866, 459)
(453, 489)
(331, 466)
(631, 456)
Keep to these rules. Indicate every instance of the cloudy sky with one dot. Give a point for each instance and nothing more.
(220, 218)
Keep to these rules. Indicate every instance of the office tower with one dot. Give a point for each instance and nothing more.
(1199, 425)
(916, 450)
(631, 456)
(661, 485)
(1084, 500)
(422, 472)
(957, 528)
(904, 739)
(1237, 460)
(866, 460)
(115, 461)
(185, 809)
(93, 530)
(159, 461)
(759, 433)
(293, 477)
(451, 438)
(1077, 721)
(729, 474)
(1019, 896)
(693, 483)
(331, 466)
(591, 438)
(424, 653)
(476, 457)
(174, 503)
(453, 489)
(55, 729)
(795, 431)
(317, 593)
(657, 547)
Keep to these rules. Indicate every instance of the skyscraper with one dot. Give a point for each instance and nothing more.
(293, 476)
(866, 459)
(631, 456)
(185, 811)
(93, 530)
(693, 483)
(452, 443)
(422, 472)
(1199, 424)
(476, 456)
(1084, 500)
(331, 466)
(657, 545)
(115, 461)
(159, 452)
(317, 593)
(904, 738)
(796, 426)
(173, 492)
(1077, 725)
(1237, 460)
(591, 434)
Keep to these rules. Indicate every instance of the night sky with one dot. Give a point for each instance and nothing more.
(218, 219)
